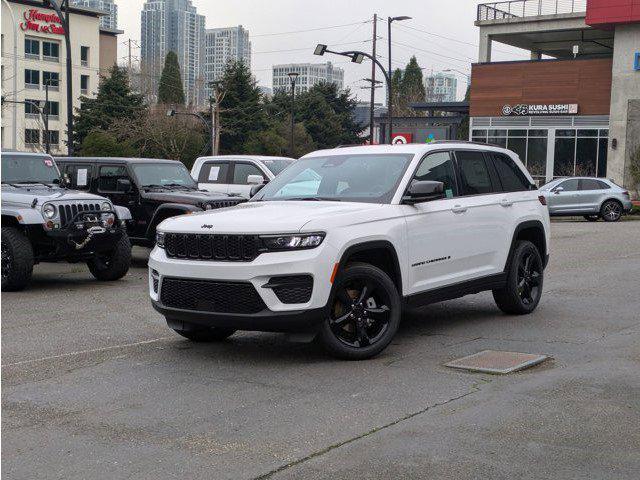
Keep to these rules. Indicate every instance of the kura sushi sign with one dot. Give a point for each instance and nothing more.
(38, 21)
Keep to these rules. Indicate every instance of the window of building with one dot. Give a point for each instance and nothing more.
(84, 56)
(84, 84)
(31, 48)
(54, 137)
(438, 167)
(31, 136)
(52, 109)
(31, 107)
(51, 51)
(32, 79)
(52, 79)
(473, 173)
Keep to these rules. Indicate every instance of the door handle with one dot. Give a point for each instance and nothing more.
(458, 209)
(506, 203)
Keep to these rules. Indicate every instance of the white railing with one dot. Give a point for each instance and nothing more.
(528, 8)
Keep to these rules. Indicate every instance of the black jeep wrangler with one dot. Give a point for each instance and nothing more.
(151, 189)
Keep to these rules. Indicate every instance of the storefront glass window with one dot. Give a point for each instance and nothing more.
(537, 158)
(518, 146)
(602, 155)
(499, 141)
(565, 150)
(586, 156)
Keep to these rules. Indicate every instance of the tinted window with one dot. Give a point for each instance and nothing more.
(165, 175)
(569, 185)
(511, 177)
(590, 184)
(242, 170)
(473, 173)
(214, 172)
(109, 175)
(438, 167)
(80, 176)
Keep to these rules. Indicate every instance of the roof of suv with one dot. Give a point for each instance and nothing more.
(115, 160)
(410, 148)
(245, 157)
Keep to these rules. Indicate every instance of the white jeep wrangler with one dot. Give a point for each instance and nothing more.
(343, 239)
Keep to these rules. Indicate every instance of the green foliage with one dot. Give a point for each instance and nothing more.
(276, 141)
(170, 90)
(114, 102)
(412, 86)
(242, 113)
(634, 164)
(103, 144)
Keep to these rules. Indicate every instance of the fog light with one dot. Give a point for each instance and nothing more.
(49, 225)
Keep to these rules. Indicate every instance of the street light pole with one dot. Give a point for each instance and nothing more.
(294, 77)
(47, 140)
(65, 24)
(390, 20)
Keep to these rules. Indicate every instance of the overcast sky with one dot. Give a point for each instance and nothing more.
(432, 21)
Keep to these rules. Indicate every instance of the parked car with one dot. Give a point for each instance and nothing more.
(44, 222)
(152, 189)
(381, 227)
(236, 174)
(592, 198)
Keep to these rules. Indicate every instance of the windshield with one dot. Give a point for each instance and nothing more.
(276, 165)
(29, 169)
(163, 175)
(371, 178)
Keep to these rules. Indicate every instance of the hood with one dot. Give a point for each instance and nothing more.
(24, 195)
(190, 197)
(263, 217)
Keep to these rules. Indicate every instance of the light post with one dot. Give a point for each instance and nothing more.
(390, 20)
(293, 76)
(357, 57)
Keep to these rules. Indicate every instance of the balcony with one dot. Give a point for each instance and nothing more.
(515, 9)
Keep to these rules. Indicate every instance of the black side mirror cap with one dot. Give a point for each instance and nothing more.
(255, 189)
(423, 191)
(123, 185)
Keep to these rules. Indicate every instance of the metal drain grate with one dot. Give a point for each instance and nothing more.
(493, 361)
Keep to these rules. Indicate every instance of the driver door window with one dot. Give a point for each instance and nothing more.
(239, 183)
(438, 167)
(108, 178)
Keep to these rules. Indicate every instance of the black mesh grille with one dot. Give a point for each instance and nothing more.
(232, 248)
(67, 212)
(210, 296)
(226, 203)
(155, 284)
(293, 289)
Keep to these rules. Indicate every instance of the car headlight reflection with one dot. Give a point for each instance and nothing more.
(292, 242)
(105, 206)
(49, 210)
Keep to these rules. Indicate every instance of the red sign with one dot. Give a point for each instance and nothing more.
(401, 138)
(51, 23)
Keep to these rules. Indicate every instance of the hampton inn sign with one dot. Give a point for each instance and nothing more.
(540, 109)
(38, 21)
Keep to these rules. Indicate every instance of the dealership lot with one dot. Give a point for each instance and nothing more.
(96, 386)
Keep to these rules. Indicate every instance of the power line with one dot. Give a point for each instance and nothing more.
(310, 29)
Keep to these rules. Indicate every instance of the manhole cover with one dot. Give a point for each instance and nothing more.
(493, 361)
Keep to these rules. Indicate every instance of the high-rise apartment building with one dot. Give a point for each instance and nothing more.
(174, 25)
(309, 74)
(110, 19)
(441, 87)
(224, 45)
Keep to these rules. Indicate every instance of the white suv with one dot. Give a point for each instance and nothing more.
(385, 227)
(237, 174)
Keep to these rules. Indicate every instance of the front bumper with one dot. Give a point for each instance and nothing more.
(85, 233)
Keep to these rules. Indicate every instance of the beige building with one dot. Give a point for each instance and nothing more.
(34, 68)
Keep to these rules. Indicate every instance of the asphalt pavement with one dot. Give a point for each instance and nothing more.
(96, 386)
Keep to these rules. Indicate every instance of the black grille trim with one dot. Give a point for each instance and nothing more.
(68, 211)
(223, 248)
(210, 296)
(292, 289)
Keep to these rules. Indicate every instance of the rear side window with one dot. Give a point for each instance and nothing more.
(214, 172)
(438, 167)
(592, 184)
(511, 177)
(474, 173)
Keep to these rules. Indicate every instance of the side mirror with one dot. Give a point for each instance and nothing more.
(423, 191)
(64, 181)
(123, 185)
(255, 189)
(255, 180)
(557, 190)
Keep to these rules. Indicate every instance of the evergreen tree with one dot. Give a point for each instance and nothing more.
(114, 101)
(412, 86)
(170, 90)
(396, 87)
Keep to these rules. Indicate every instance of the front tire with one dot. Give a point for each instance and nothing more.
(112, 265)
(17, 260)
(213, 334)
(611, 211)
(525, 275)
(364, 316)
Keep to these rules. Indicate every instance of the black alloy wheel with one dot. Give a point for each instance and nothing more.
(611, 211)
(364, 313)
(529, 278)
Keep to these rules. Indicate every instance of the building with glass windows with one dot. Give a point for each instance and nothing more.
(34, 93)
(109, 7)
(309, 74)
(222, 46)
(574, 107)
(440, 87)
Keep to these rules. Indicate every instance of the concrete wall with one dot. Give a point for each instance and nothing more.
(108, 52)
(625, 100)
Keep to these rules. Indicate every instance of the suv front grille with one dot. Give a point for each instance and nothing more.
(226, 203)
(230, 248)
(210, 296)
(68, 211)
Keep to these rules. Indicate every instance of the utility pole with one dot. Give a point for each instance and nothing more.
(47, 139)
(215, 100)
(373, 78)
(213, 110)
(293, 76)
(129, 57)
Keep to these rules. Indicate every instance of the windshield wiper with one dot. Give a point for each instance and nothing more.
(30, 182)
(153, 185)
(313, 199)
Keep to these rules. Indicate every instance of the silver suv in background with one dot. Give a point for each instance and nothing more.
(237, 174)
(592, 198)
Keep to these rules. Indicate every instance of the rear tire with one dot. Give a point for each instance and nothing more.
(591, 218)
(213, 334)
(17, 260)
(525, 275)
(112, 265)
(611, 211)
(365, 310)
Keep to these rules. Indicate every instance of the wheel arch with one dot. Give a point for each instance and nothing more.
(533, 231)
(165, 211)
(379, 253)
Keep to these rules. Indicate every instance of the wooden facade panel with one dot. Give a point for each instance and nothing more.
(585, 82)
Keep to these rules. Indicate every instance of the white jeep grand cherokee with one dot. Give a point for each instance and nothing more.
(343, 239)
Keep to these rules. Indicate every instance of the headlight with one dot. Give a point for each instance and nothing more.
(48, 210)
(160, 239)
(292, 242)
(105, 206)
